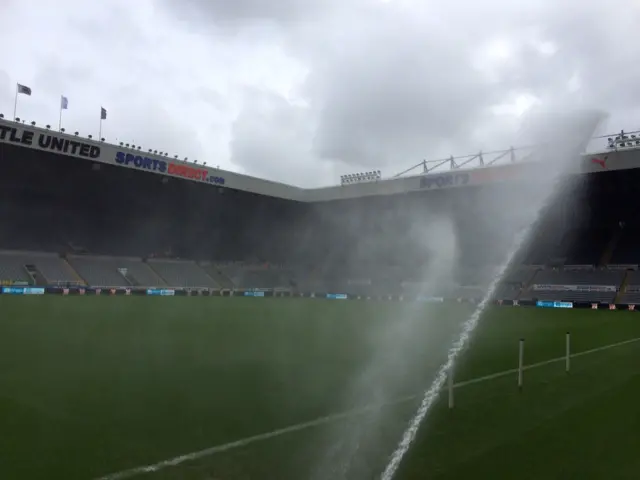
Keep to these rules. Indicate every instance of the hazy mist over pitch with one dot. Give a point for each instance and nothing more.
(456, 231)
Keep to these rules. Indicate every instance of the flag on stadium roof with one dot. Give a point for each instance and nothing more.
(103, 113)
(64, 102)
(24, 89)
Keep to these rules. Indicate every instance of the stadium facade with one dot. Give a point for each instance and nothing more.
(81, 214)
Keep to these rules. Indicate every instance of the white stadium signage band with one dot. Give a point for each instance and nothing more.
(434, 178)
(47, 141)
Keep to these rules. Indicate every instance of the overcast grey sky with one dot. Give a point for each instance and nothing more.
(305, 90)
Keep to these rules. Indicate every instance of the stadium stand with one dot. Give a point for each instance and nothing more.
(36, 268)
(578, 277)
(631, 291)
(520, 275)
(571, 296)
(307, 280)
(114, 271)
(218, 276)
(255, 276)
(12, 269)
(575, 285)
(516, 279)
(542, 248)
(506, 291)
(580, 252)
(626, 251)
(105, 218)
(466, 292)
(181, 273)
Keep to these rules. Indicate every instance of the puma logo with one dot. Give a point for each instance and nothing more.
(602, 162)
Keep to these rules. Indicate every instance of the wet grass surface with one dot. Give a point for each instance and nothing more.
(95, 385)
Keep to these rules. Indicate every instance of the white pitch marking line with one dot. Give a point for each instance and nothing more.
(132, 472)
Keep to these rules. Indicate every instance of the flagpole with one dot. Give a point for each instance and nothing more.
(60, 121)
(15, 104)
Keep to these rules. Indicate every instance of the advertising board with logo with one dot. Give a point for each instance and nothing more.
(173, 168)
(337, 296)
(428, 299)
(548, 304)
(161, 292)
(23, 291)
(56, 143)
(574, 288)
(74, 146)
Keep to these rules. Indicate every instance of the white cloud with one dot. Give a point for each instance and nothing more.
(305, 90)
(163, 86)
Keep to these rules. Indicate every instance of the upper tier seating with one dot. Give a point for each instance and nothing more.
(106, 271)
(182, 273)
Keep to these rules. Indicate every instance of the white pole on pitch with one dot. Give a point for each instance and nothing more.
(520, 362)
(568, 354)
(450, 385)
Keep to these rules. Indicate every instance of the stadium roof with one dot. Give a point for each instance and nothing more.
(622, 152)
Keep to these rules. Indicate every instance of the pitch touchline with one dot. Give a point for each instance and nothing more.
(132, 472)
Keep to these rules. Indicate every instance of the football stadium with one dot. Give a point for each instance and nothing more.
(161, 319)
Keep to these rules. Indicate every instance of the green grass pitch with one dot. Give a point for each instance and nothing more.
(91, 386)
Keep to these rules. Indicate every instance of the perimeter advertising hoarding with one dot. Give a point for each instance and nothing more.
(23, 291)
(548, 304)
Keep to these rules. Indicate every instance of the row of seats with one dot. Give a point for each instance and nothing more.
(579, 277)
(125, 271)
(116, 271)
(569, 296)
(256, 276)
(110, 271)
(178, 273)
(53, 269)
(551, 285)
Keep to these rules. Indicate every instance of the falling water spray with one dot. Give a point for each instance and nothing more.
(379, 381)
(571, 141)
(458, 346)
